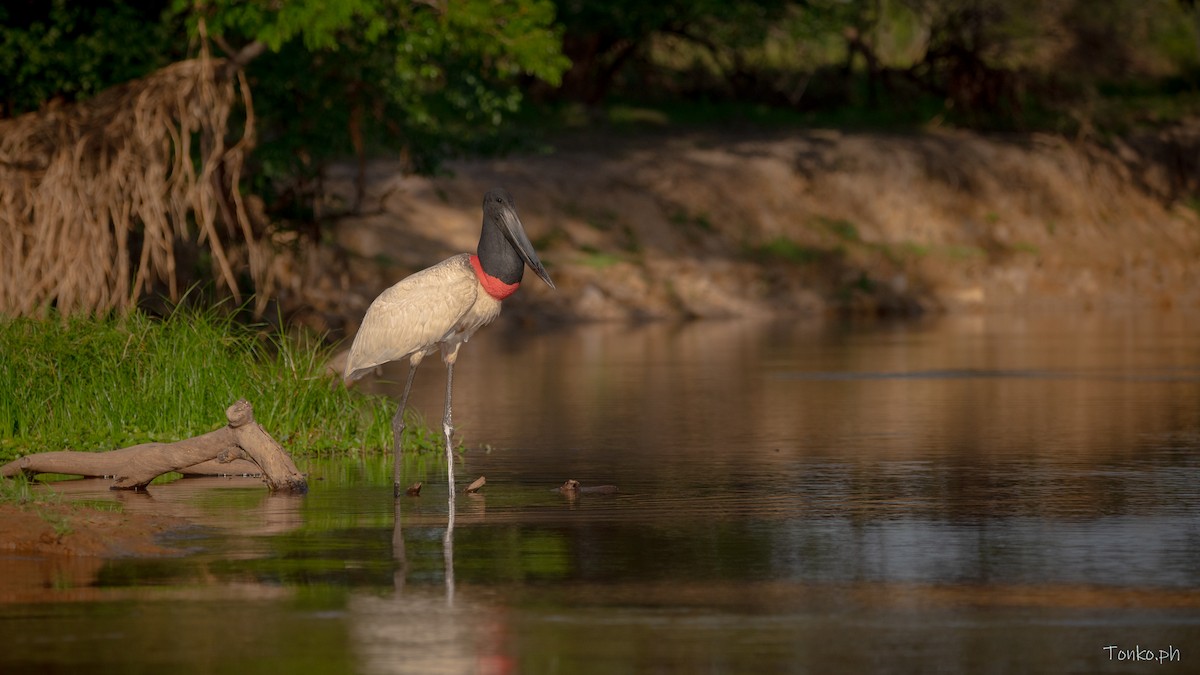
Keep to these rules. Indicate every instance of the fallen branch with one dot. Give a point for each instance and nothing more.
(243, 446)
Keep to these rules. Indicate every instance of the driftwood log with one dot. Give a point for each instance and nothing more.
(241, 447)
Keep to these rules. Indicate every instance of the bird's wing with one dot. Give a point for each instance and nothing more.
(413, 315)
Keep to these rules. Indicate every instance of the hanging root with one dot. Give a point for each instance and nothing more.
(97, 197)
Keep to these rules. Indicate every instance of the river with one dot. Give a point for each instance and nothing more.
(957, 494)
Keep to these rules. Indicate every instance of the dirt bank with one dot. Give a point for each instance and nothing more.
(56, 551)
(77, 530)
(708, 225)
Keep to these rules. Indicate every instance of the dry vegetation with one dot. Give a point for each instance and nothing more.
(98, 199)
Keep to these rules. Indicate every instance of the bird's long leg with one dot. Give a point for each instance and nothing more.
(448, 540)
(449, 355)
(448, 429)
(398, 428)
(448, 552)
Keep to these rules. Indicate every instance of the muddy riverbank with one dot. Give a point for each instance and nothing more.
(806, 222)
(79, 530)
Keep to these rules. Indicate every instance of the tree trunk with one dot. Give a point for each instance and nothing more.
(238, 448)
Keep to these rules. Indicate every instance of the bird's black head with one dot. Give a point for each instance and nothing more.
(504, 249)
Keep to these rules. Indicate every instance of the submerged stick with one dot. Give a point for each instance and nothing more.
(242, 443)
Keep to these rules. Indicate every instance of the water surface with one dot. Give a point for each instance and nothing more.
(982, 494)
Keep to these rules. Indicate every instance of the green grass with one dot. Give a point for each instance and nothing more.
(88, 384)
(840, 228)
(687, 219)
(598, 259)
(783, 249)
(18, 491)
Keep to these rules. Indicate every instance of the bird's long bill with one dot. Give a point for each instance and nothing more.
(516, 234)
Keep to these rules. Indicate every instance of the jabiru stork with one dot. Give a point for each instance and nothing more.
(442, 307)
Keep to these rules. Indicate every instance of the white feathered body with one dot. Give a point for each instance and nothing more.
(441, 306)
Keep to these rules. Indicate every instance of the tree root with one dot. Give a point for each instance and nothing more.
(241, 447)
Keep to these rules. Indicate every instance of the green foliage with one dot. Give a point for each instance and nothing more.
(318, 24)
(70, 50)
(612, 42)
(985, 64)
(341, 78)
(102, 384)
(435, 79)
(370, 76)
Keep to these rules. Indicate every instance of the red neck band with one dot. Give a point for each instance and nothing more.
(494, 287)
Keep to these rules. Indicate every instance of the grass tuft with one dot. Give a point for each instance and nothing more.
(783, 249)
(88, 384)
(17, 490)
